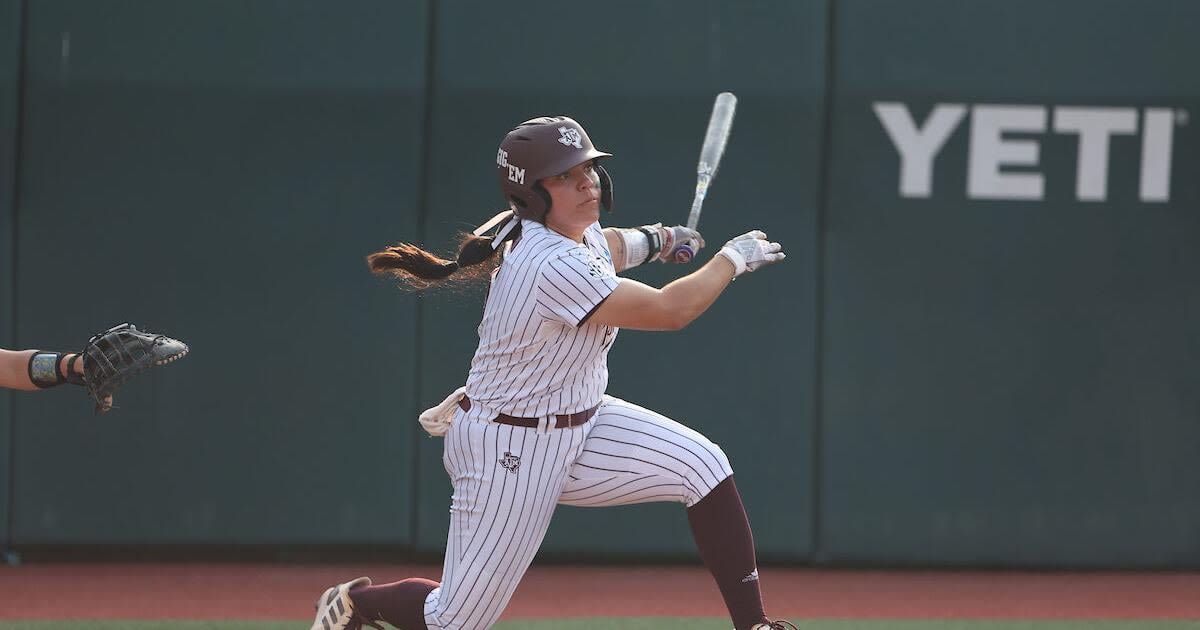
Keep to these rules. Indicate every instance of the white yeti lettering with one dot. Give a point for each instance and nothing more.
(991, 154)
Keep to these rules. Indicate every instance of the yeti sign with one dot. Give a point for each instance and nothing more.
(989, 150)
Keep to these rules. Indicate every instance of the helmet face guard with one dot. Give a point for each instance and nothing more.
(540, 148)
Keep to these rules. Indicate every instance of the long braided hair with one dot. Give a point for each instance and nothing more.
(418, 269)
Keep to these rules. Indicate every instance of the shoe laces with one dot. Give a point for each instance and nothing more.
(783, 625)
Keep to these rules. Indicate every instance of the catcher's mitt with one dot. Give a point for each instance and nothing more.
(116, 355)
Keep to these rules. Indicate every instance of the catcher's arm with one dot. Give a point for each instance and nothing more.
(109, 360)
(20, 368)
(35, 370)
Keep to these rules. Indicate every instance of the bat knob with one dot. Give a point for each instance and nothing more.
(684, 254)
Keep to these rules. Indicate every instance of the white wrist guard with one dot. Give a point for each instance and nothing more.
(642, 244)
(735, 257)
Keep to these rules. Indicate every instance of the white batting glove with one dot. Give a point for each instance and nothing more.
(750, 251)
(674, 238)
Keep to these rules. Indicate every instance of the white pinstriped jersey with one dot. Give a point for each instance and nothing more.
(535, 357)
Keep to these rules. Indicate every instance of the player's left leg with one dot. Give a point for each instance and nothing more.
(634, 455)
(506, 483)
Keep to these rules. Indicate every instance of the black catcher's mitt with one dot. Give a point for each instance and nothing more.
(116, 355)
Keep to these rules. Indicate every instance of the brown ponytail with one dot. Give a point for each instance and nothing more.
(418, 269)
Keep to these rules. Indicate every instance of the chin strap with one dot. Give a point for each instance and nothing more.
(512, 221)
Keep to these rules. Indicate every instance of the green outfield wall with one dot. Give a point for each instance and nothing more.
(218, 171)
(1010, 340)
(980, 351)
(10, 53)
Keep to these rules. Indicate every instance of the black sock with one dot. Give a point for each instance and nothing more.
(726, 544)
(401, 604)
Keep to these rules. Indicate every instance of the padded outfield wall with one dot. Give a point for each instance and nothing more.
(217, 171)
(10, 54)
(979, 351)
(1012, 278)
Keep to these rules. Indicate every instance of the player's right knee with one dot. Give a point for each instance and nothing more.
(705, 475)
(718, 461)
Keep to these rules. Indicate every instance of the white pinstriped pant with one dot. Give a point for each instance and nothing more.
(507, 481)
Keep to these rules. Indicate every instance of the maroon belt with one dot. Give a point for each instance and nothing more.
(562, 420)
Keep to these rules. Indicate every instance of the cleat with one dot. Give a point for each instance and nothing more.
(335, 609)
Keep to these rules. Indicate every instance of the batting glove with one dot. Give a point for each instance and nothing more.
(674, 239)
(750, 251)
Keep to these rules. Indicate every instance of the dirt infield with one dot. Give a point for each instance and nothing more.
(235, 591)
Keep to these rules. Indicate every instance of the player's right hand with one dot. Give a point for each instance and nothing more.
(750, 251)
(677, 238)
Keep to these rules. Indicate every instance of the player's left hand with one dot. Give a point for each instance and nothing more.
(78, 377)
(674, 239)
(118, 354)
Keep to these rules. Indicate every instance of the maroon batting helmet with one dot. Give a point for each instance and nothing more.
(537, 149)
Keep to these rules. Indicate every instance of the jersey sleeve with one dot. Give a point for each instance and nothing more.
(572, 285)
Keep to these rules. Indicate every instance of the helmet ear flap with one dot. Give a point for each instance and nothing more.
(606, 187)
(531, 206)
(544, 195)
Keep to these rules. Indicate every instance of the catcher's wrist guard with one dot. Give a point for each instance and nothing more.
(43, 369)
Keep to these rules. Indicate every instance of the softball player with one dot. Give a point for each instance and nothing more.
(533, 427)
